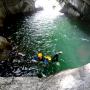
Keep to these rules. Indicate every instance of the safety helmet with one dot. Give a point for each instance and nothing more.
(40, 54)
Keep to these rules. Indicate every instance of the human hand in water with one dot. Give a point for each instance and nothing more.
(60, 52)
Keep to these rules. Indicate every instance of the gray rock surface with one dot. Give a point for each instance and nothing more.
(15, 6)
(78, 8)
(73, 79)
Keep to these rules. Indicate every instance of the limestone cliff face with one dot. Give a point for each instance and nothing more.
(15, 6)
(78, 8)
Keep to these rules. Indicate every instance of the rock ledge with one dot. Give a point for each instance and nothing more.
(73, 79)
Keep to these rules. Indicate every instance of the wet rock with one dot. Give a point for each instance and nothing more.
(18, 72)
(21, 54)
(77, 8)
(69, 10)
(5, 48)
(73, 79)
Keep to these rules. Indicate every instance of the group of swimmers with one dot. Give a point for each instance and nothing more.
(45, 59)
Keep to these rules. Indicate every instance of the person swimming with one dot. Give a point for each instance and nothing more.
(38, 57)
(46, 59)
(56, 56)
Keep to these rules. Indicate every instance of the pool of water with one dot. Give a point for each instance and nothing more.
(50, 34)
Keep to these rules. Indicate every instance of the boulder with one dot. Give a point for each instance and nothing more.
(5, 48)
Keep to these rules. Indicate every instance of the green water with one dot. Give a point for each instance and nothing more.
(51, 34)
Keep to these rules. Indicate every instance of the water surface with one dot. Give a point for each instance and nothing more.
(51, 33)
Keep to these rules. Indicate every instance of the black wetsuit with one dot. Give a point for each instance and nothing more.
(55, 57)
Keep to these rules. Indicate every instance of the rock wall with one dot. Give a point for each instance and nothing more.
(5, 48)
(78, 8)
(2, 13)
(74, 79)
(15, 6)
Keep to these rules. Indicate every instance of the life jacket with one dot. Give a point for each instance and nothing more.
(48, 58)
